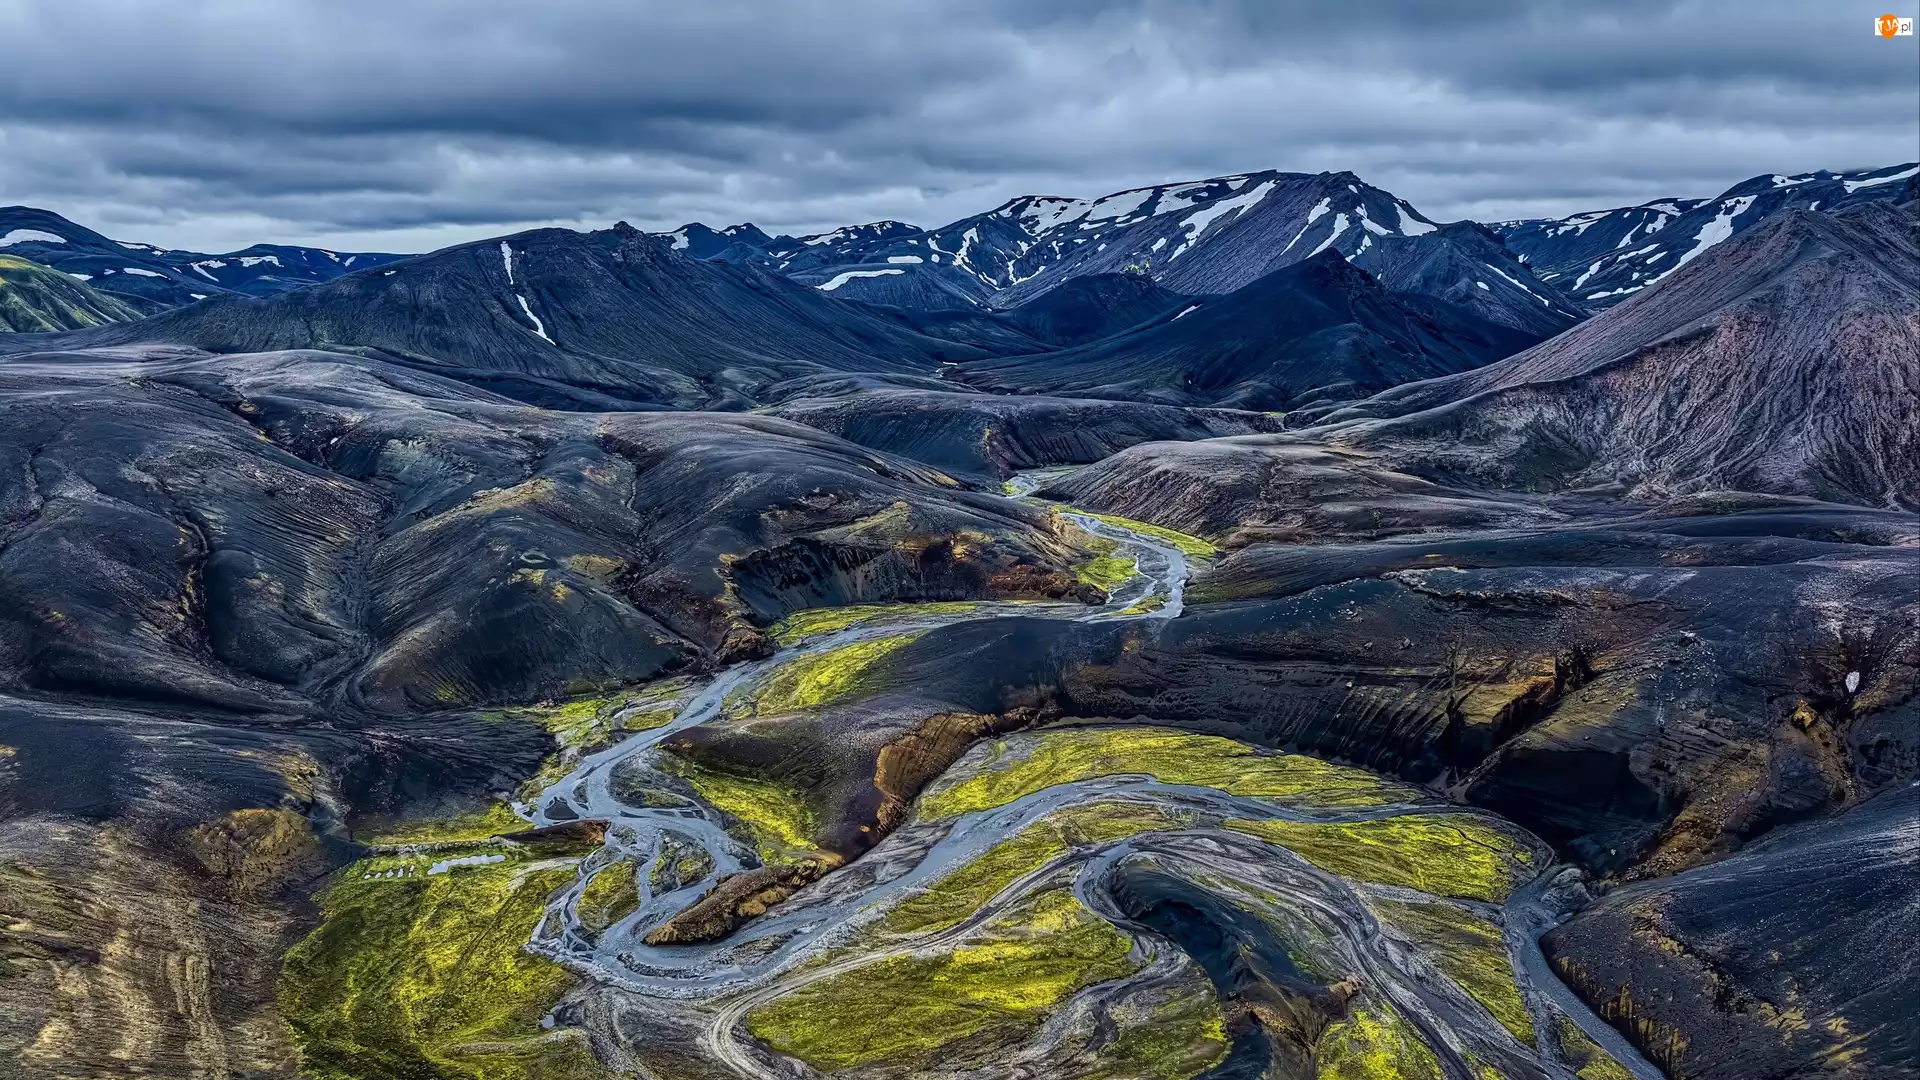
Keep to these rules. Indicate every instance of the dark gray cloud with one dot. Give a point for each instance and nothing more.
(405, 124)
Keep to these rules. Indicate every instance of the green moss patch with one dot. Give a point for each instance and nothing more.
(1104, 568)
(423, 977)
(777, 816)
(680, 863)
(1589, 1061)
(817, 679)
(1188, 544)
(1459, 855)
(814, 622)
(1176, 1041)
(1469, 950)
(587, 725)
(1064, 757)
(1375, 1043)
(611, 895)
(952, 899)
(994, 990)
(498, 818)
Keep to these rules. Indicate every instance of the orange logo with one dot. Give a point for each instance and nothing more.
(1889, 25)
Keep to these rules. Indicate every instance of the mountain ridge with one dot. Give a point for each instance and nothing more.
(151, 278)
(1597, 255)
(549, 311)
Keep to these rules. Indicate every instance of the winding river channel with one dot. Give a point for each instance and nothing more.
(825, 931)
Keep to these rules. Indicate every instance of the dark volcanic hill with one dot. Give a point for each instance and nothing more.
(1085, 309)
(151, 278)
(37, 299)
(1092, 307)
(1605, 256)
(586, 320)
(1313, 333)
(990, 436)
(342, 526)
(1815, 916)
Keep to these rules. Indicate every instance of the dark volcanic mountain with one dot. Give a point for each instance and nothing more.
(152, 279)
(588, 320)
(36, 299)
(1604, 256)
(700, 242)
(1310, 334)
(1807, 915)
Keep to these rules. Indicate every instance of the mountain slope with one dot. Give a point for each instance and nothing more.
(1092, 307)
(1084, 310)
(1308, 334)
(1786, 361)
(36, 299)
(151, 279)
(1605, 256)
(546, 314)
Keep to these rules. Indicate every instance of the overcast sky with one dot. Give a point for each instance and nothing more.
(411, 124)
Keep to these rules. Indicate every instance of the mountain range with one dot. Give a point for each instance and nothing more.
(1206, 236)
(612, 319)
(149, 278)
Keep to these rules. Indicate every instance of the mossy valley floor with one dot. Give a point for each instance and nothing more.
(418, 975)
(414, 974)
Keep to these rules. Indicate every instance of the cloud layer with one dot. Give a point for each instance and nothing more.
(409, 124)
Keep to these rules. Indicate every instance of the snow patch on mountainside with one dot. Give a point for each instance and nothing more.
(1200, 220)
(848, 275)
(1875, 181)
(1713, 231)
(1339, 227)
(1413, 226)
(538, 326)
(30, 236)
